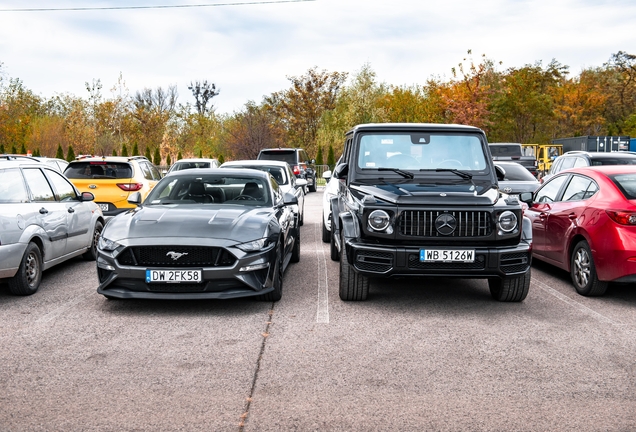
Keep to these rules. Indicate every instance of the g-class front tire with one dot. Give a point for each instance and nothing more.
(353, 285)
(514, 289)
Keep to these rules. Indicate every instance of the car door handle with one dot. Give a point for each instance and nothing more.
(43, 211)
(572, 216)
(71, 210)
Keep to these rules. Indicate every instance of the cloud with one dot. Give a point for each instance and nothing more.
(249, 51)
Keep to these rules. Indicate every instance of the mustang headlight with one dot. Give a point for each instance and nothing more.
(507, 221)
(107, 245)
(379, 220)
(254, 245)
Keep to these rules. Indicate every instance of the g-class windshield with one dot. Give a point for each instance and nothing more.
(414, 152)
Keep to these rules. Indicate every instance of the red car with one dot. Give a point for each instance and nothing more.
(584, 221)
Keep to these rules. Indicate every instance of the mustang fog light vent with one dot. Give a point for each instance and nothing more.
(379, 220)
(507, 221)
(253, 267)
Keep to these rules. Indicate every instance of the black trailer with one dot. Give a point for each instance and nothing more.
(594, 143)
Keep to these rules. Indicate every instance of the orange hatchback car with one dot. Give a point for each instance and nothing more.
(112, 179)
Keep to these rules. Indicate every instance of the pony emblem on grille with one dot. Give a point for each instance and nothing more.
(176, 255)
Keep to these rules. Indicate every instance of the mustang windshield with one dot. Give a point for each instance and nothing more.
(210, 189)
(412, 152)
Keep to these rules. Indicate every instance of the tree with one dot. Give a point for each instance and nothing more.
(147, 153)
(135, 150)
(319, 156)
(36, 153)
(221, 159)
(203, 93)
(157, 158)
(523, 110)
(179, 157)
(124, 150)
(70, 155)
(331, 159)
(300, 108)
(114, 152)
(60, 153)
(249, 131)
(168, 160)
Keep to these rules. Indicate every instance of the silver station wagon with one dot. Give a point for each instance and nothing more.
(45, 220)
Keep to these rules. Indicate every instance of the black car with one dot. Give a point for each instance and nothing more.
(205, 233)
(297, 158)
(515, 179)
(422, 200)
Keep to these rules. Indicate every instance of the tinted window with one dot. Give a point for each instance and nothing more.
(12, 189)
(548, 193)
(40, 188)
(626, 183)
(505, 150)
(105, 170)
(613, 161)
(286, 156)
(516, 172)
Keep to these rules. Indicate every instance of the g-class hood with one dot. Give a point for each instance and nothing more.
(236, 223)
(443, 193)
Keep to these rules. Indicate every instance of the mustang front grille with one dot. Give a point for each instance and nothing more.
(175, 256)
(421, 223)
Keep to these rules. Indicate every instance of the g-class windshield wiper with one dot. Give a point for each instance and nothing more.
(404, 174)
(462, 174)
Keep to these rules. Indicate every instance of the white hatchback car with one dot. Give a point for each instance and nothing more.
(45, 220)
(284, 176)
(330, 191)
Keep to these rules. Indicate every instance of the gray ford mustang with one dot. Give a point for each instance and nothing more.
(206, 233)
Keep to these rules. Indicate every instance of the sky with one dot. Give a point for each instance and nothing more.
(249, 48)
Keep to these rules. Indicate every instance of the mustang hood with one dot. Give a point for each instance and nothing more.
(237, 223)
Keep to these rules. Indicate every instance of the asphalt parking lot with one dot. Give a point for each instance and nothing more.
(435, 354)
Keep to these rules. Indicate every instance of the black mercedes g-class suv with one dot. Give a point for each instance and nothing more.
(423, 200)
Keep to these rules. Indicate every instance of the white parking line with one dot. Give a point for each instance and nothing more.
(582, 308)
(322, 315)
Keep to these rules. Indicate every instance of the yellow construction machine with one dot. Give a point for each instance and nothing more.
(545, 154)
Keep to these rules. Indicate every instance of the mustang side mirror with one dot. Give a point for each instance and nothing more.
(290, 199)
(135, 198)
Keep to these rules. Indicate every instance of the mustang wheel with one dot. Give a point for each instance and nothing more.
(296, 250)
(91, 253)
(27, 280)
(353, 286)
(510, 289)
(583, 271)
(277, 294)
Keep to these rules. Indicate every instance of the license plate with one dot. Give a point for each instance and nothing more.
(173, 276)
(104, 207)
(447, 255)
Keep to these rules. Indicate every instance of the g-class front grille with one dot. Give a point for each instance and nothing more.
(421, 223)
(176, 256)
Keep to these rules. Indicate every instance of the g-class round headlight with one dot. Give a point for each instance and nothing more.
(507, 221)
(379, 220)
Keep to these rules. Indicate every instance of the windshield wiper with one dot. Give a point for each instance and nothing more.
(404, 174)
(462, 174)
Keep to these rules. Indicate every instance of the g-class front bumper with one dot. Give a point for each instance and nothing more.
(399, 261)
